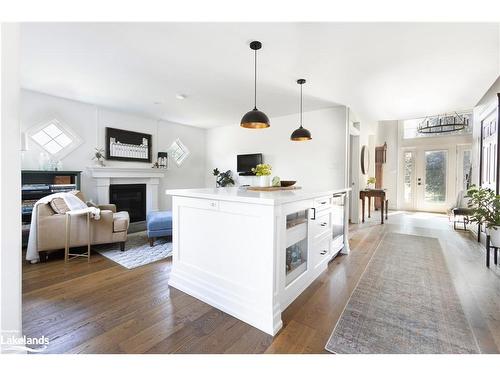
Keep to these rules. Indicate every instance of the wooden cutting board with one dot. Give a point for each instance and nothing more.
(273, 188)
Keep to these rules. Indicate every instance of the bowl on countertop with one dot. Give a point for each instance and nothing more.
(287, 183)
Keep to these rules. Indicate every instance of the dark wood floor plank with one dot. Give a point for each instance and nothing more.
(102, 307)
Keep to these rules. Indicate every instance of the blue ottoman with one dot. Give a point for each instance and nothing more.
(159, 224)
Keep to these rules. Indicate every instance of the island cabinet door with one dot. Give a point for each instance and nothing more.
(223, 254)
(294, 249)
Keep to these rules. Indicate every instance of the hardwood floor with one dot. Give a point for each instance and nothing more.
(102, 307)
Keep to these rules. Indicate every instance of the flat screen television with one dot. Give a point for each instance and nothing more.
(245, 163)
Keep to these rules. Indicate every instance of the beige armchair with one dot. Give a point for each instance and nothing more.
(110, 228)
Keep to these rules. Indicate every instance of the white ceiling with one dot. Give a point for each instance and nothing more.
(382, 70)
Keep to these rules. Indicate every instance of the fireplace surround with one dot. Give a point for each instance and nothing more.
(130, 198)
(104, 177)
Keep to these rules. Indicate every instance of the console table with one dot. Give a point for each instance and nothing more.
(374, 193)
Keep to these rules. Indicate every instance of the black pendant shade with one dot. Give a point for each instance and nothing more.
(255, 119)
(301, 134)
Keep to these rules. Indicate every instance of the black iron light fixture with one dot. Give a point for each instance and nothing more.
(447, 123)
(301, 134)
(255, 119)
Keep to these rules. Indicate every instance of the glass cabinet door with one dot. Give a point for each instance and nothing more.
(297, 244)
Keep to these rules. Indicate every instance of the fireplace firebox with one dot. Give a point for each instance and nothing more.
(130, 198)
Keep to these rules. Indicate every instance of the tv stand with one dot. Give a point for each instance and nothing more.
(246, 174)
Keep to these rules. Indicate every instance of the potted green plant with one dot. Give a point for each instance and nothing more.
(485, 206)
(371, 182)
(223, 179)
(263, 171)
(99, 157)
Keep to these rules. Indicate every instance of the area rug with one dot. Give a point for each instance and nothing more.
(405, 302)
(137, 251)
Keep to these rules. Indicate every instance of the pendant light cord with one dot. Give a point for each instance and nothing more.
(300, 105)
(255, 82)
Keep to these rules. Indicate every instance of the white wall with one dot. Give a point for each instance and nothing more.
(315, 164)
(89, 122)
(388, 132)
(10, 194)
(367, 137)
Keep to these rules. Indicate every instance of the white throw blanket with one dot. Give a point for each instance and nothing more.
(72, 201)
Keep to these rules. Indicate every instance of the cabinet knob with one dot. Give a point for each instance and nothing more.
(323, 224)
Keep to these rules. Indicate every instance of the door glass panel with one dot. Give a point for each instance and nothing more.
(408, 165)
(297, 240)
(466, 165)
(435, 177)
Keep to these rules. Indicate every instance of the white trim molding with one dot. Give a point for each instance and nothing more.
(105, 176)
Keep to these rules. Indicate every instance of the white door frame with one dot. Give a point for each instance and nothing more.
(354, 172)
(418, 203)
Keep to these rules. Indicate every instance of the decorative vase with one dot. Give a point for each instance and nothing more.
(494, 236)
(264, 181)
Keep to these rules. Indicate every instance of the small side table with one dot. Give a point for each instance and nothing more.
(375, 193)
(489, 246)
(67, 255)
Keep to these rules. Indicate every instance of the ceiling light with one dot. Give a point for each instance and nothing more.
(301, 133)
(443, 124)
(255, 119)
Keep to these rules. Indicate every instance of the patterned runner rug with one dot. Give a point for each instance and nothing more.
(405, 302)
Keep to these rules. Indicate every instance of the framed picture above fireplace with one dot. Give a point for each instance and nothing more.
(127, 145)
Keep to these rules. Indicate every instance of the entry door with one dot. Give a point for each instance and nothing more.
(432, 180)
(464, 154)
(425, 179)
(408, 196)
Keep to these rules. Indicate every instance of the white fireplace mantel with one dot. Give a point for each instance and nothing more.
(106, 176)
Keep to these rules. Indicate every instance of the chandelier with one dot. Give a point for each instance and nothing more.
(447, 123)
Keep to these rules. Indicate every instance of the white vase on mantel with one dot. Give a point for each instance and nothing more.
(264, 181)
(494, 236)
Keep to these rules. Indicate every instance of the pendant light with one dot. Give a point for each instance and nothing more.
(301, 134)
(255, 119)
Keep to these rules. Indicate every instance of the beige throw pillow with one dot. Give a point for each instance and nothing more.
(59, 206)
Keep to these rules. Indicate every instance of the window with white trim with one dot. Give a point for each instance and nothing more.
(55, 138)
(178, 152)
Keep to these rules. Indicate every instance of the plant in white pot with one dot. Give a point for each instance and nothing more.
(99, 157)
(485, 205)
(370, 183)
(263, 172)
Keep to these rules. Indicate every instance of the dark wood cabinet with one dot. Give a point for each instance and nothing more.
(489, 158)
(38, 184)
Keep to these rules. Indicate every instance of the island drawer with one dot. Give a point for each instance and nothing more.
(322, 224)
(322, 251)
(323, 203)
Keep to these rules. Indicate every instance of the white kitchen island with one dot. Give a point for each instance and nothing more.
(250, 254)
